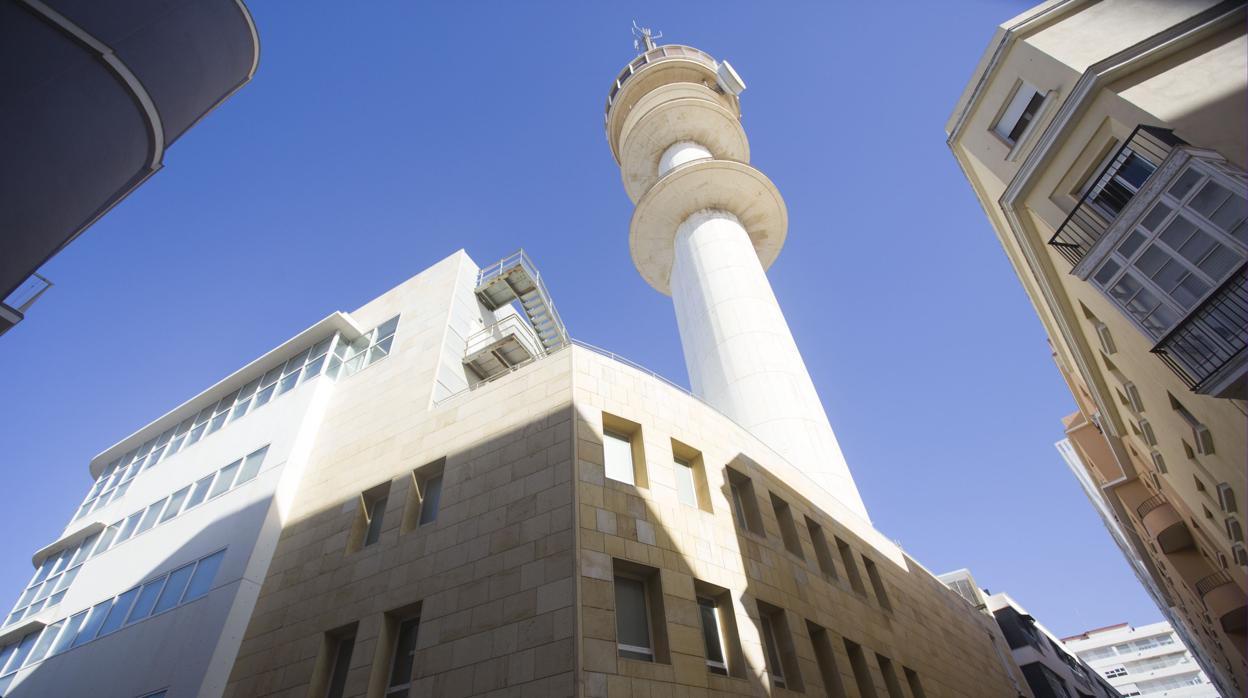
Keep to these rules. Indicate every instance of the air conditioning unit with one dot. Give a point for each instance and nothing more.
(1233, 530)
(1204, 439)
(1133, 396)
(1150, 437)
(1159, 462)
(1240, 553)
(1107, 340)
(1226, 498)
(728, 79)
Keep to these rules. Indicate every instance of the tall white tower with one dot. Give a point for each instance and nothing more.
(705, 228)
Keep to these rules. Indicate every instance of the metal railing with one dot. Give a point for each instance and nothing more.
(511, 324)
(1211, 336)
(655, 55)
(1088, 222)
(27, 293)
(1213, 581)
(520, 258)
(1149, 505)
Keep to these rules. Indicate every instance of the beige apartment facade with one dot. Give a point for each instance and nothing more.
(481, 538)
(1106, 143)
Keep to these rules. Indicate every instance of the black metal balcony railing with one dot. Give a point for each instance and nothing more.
(1211, 336)
(1148, 505)
(1099, 206)
(1213, 581)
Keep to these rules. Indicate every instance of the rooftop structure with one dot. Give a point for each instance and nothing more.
(1149, 661)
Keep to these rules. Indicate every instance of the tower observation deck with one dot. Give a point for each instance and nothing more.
(706, 227)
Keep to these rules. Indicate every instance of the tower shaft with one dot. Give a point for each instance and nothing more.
(706, 227)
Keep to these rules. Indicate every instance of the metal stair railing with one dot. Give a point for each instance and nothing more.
(538, 306)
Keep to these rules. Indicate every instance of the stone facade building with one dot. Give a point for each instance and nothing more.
(441, 494)
(1106, 143)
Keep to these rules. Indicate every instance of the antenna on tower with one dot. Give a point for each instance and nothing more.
(643, 37)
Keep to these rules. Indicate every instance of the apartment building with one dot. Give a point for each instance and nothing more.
(94, 94)
(440, 493)
(1050, 669)
(1106, 143)
(1148, 661)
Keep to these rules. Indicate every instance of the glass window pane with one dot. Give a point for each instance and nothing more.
(172, 592)
(1219, 262)
(1197, 246)
(631, 619)
(1131, 243)
(146, 601)
(618, 453)
(1106, 272)
(106, 539)
(1231, 213)
(685, 490)
(1209, 198)
(404, 654)
(117, 614)
(1177, 232)
(200, 492)
(710, 631)
(94, 621)
(1184, 184)
(201, 581)
(773, 652)
(23, 650)
(1154, 218)
(150, 515)
(342, 665)
(46, 638)
(225, 480)
(387, 328)
(66, 579)
(376, 515)
(175, 504)
(127, 528)
(251, 466)
(432, 499)
(313, 369)
(1189, 290)
(68, 633)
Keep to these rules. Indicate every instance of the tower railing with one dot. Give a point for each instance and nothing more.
(655, 55)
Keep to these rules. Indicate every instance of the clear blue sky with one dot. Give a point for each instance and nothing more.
(377, 138)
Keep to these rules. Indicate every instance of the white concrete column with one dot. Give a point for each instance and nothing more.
(741, 356)
(681, 152)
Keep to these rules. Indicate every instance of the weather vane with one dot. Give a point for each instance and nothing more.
(642, 36)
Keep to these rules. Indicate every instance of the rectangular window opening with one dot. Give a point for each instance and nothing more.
(891, 684)
(623, 455)
(691, 487)
(823, 554)
(851, 568)
(877, 583)
(788, 530)
(825, 658)
(640, 622)
(862, 674)
(778, 647)
(744, 502)
(425, 498)
(334, 663)
(719, 630)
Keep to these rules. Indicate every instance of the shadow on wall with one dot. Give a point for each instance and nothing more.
(472, 595)
(789, 621)
(139, 640)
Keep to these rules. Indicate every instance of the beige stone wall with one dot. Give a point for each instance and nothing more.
(928, 629)
(494, 578)
(1199, 88)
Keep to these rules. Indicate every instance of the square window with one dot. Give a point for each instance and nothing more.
(1019, 112)
(622, 451)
